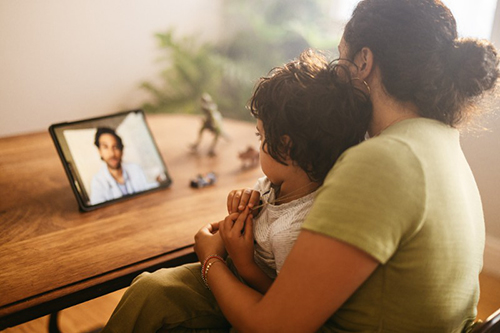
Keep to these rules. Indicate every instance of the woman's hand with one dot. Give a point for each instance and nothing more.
(238, 200)
(208, 241)
(237, 233)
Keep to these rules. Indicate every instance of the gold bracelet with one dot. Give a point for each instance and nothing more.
(204, 274)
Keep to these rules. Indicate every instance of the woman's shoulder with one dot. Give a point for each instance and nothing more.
(402, 143)
(382, 151)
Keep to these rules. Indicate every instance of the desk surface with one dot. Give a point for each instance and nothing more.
(52, 256)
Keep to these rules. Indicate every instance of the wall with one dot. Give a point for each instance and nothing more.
(482, 149)
(483, 153)
(66, 60)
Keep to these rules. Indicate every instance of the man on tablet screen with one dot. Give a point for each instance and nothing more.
(115, 179)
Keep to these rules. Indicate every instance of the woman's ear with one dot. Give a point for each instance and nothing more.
(364, 61)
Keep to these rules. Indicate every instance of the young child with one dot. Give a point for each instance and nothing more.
(308, 113)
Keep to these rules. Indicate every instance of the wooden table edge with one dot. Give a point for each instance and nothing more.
(44, 304)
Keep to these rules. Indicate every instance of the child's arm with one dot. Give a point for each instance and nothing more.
(239, 245)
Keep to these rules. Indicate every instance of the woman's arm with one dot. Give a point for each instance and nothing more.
(319, 275)
(255, 277)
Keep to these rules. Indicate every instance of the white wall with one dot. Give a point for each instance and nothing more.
(66, 60)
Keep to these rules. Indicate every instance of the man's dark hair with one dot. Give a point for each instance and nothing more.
(107, 130)
(316, 104)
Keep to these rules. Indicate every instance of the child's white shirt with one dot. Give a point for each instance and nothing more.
(277, 227)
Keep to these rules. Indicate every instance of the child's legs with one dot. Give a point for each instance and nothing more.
(168, 298)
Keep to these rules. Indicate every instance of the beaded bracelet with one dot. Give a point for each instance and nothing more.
(213, 256)
(206, 267)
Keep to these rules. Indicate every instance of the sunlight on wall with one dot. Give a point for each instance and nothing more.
(474, 18)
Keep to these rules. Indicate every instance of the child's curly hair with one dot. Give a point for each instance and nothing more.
(316, 104)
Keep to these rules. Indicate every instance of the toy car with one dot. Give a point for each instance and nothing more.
(203, 181)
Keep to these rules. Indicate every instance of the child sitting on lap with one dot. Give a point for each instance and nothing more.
(308, 113)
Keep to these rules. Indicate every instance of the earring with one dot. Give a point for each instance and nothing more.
(364, 82)
(367, 87)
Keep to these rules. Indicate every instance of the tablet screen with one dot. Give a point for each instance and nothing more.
(110, 158)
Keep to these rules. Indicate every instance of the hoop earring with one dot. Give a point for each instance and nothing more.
(367, 87)
(364, 82)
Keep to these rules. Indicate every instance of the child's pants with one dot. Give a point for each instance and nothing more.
(174, 299)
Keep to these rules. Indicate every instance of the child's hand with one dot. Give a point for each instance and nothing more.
(208, 241)
(238, 200)
(237, 233)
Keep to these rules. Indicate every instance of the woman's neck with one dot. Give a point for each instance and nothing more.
(387, 111)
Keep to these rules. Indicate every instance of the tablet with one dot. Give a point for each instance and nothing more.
(110, 158)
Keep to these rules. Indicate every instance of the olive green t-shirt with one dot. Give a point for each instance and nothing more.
(408, 198)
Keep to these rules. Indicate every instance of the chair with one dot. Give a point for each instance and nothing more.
(490, 325)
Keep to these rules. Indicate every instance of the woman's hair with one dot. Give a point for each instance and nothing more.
(415, 45)
(315, 104)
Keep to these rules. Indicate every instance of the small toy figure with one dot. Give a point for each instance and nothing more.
(212, 123)
(200, 181)
(249, 158)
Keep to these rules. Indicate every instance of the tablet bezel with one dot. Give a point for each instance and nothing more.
(73, 176)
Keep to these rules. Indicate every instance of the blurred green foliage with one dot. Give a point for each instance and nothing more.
(261, 35)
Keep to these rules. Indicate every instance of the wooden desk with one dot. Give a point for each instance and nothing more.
(52, 256)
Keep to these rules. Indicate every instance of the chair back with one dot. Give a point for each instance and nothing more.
(490, 325)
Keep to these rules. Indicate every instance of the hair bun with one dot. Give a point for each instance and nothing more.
(475, 64)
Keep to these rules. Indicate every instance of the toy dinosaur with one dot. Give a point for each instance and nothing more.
(212, 122)
(249, 158)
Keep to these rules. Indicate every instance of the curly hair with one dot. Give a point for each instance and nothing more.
(421, 58)
(315, 103)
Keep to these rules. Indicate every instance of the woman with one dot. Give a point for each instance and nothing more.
(395, 238)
